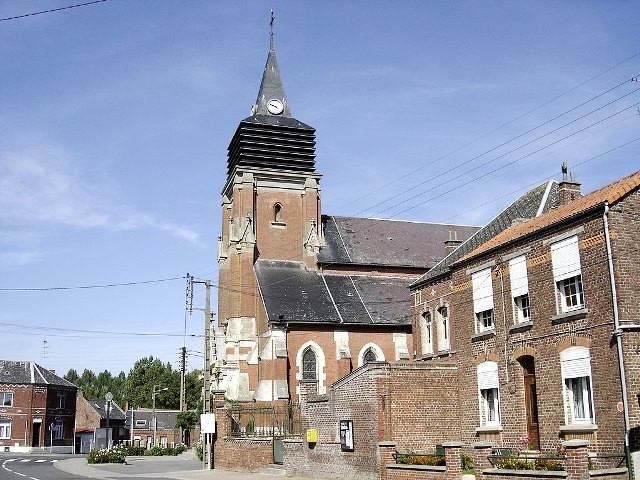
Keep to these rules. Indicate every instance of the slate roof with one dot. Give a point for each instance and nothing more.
(29, 373)
(610, 194)
(540, 199)
(295, 294)
(394, 243)
(166, 419)
(99, 405)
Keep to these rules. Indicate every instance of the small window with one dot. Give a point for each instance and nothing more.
(483, 299)
(485, 320)
(522, 309)
(61, 400)
(58, 430)
(567, 274)
(369, 356)
(309, 365)
(277, 213)
(519, 289)
(7, 399)
(426, 333)
(571, 294)
(488, 384)
(141, 423)
(5, 429)
(575, 365)
(443, 329)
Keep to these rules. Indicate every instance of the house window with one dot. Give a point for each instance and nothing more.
(483, 300)
(369, 356)
(61, 400)
(141, 423)
(417, 298)
(7, 399)
(575, 363)
(519, 289)
(443, 329)
(5, 429)
(58, 430)
(567, 274)
(277, 213)
(309, 365)
(488, 393)
(426, 333)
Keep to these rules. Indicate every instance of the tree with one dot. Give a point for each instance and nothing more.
(187, 420)
(147, 373)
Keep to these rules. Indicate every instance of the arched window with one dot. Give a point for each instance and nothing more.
(369, 356)
(426, 331)
(309, 365)
(444, 342)
(277, 213)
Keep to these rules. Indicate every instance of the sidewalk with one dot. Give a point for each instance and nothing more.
(136, 466)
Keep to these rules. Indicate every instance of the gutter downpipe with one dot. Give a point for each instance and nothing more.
(618, 334)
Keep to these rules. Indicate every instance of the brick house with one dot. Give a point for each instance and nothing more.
(166, 432)
(91, 423)
(543, 321)
(38, 408)
(304, 298)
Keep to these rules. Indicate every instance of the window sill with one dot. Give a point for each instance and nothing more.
(489, 429)
(579, 428)
(521, 327)
(486, 335)
(571, 316)
(278, 224)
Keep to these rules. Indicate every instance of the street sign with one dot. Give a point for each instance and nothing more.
(208, 423)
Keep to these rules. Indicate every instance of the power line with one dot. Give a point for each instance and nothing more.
(52, 10)
(86, 287)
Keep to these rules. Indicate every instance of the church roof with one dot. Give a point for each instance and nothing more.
(292, 293)
(29, 373)
(536, 201)
(392, 243)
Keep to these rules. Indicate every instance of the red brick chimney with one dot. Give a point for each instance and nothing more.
(568, 189)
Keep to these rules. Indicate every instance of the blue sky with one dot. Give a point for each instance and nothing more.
(115, 119)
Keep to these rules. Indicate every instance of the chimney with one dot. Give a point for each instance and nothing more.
(453, 242)
(568, 189)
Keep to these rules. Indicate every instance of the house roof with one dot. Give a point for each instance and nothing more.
(608, 194)
(295, 294)
(166, 419)
(393, 243)
(99, 405)
(532, 203)
(24, 372)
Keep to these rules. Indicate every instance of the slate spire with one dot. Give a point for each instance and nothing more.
(271, 87)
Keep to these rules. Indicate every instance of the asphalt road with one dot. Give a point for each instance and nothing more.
(32, 467)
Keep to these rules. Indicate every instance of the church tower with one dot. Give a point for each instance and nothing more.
(270, 211)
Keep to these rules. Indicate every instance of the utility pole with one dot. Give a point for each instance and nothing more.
(206, 404)
(183, 361)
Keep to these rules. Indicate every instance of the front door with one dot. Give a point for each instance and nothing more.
(531, 402)
(35, 438)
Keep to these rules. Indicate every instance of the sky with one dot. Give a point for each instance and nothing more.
(115, 119)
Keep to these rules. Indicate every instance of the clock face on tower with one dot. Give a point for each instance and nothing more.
(275, 106)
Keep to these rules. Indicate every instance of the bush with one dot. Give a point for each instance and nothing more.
(418, 459)
(515, 463)
(107, 455)
(155, 451)
(134, 450)
(158, 451)
(198, 449)
(466, 462)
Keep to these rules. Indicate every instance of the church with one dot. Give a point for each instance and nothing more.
(305, 297)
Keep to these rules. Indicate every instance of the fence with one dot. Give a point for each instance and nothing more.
(267, 421)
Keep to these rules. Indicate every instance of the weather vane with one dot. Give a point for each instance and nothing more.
(271, 23)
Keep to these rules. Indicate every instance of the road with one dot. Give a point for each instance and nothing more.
(32, 467)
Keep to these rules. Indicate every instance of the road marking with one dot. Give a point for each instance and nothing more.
(26, 460)
(40, 460)
(54, 461)
(21, 474)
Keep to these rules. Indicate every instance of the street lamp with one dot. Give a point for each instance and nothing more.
(109, 398)
(153, 418)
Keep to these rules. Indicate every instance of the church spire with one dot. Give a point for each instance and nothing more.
(271, 98)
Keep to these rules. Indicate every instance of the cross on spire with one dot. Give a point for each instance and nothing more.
(271, 23)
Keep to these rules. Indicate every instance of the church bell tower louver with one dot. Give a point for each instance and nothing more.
(270, 210)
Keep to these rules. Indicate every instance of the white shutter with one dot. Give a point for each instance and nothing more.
(575, 362)
(487, 375)
(565, 257)
(518, 275)
(482, 290)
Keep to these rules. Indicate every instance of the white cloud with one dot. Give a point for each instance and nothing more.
(20, 258)
(40, 186)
